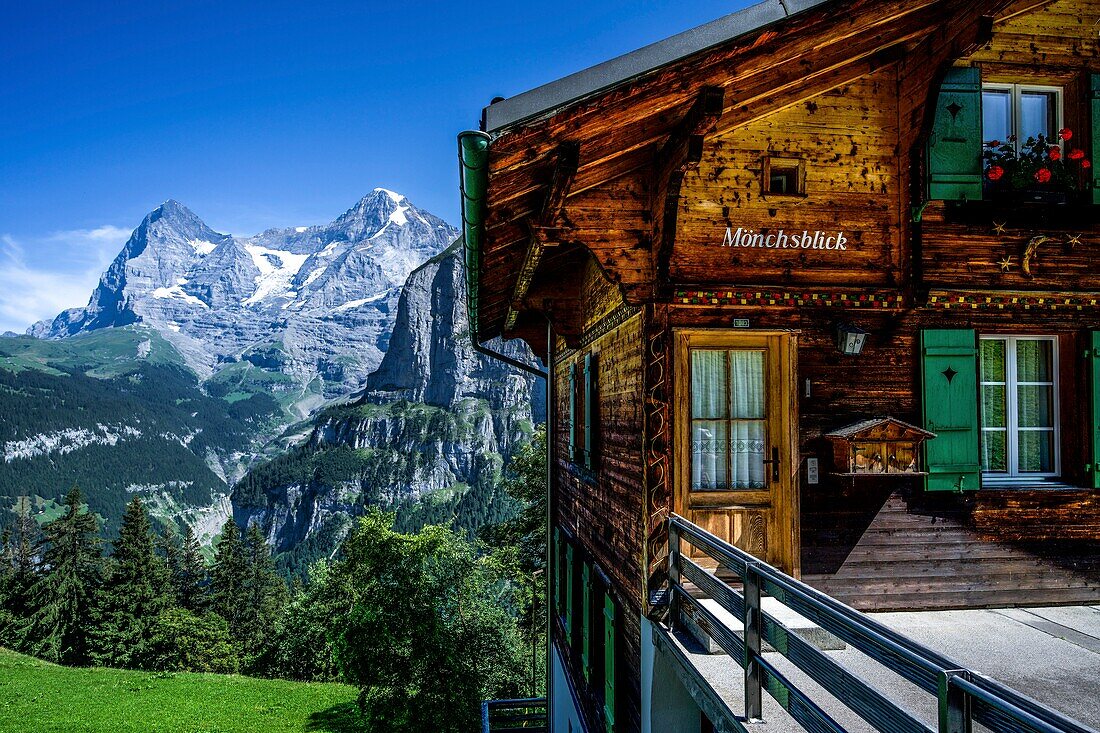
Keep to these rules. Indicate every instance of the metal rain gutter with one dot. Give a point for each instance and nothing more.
(473, 183)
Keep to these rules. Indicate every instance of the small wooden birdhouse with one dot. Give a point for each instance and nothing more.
(882, 445)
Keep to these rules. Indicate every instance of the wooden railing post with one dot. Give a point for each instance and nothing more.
(954, 703)
(754, 627)
(673, 575)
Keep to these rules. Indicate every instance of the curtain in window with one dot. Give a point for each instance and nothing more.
(728, 420)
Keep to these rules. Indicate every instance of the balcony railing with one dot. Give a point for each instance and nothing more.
(514, 716)
(963, 696)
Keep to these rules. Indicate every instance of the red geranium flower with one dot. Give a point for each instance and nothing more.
(1065, 133)
(1042, 175)
(995, 143)
(995, 173)
(1085, 163)
(1076, 154)
(1055, 153)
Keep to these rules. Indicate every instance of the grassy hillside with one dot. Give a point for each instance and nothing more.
(37, 697)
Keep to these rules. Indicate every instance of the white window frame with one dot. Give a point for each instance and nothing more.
(1012, 445)
(1016, 91)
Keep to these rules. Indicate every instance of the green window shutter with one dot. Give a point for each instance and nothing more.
(1094, 103)
(1094, 407)
(569, 591)
(949, 381)
(556, 555)
(955, 146)
(572, 411)
(589, 407)
(586, 621)
(609, 663)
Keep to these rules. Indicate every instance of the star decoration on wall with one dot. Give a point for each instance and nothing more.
(999, 227)
(949, 373)
(1073, 241)
(1006, 263)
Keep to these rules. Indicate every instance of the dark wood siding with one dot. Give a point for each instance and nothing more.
(603, 508)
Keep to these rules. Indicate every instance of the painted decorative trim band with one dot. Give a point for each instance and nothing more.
(788, 298)
(1035, 301)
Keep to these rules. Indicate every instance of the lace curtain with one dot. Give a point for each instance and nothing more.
(727, 420)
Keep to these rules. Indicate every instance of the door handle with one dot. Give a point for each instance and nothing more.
(774, 464)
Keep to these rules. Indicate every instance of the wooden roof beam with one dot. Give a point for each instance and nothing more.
(681, 153)
(565, 170)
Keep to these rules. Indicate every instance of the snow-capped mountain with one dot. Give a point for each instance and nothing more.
(305, 312)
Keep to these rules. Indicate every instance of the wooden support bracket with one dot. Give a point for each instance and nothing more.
(545, 227)
(681, 153)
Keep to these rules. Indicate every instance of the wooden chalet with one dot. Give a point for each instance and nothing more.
(751, 251)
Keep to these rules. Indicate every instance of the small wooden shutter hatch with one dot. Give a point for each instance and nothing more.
(955, 146)
(949, 392)
(1094, 108)
(1094, 408)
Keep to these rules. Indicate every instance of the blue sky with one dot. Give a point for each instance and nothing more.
(257, 114)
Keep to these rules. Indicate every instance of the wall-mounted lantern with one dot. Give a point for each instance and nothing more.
(850, 338)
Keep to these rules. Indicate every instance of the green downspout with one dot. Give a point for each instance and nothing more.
(473, 160)
(473, 181)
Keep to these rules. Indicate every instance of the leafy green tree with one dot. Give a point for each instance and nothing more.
(229, 580)
(134, 593)
(300, 646)
(428, 637)
(519, 546)
(191, 578)
(183, 641)
(62, 596)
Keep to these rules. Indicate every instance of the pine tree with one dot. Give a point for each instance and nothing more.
(133, 594)
(229, 580)
(61, 598)
(266, 594)
(20, 564)
(168, 551)
(191, 579)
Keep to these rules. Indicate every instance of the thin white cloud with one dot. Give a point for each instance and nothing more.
(43, 276)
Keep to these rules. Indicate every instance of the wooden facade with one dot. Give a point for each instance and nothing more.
(745, 201)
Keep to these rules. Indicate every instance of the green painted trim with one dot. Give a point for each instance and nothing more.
(473, 165)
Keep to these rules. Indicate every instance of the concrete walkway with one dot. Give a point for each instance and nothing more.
(1049, 654)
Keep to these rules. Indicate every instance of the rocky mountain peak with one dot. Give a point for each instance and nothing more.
(313, 304)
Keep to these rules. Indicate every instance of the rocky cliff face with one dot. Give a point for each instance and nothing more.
(305, 312)
(435, 425)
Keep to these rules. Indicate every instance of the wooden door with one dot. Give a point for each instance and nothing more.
(736, 422)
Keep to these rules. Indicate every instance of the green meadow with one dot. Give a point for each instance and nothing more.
(38, 697)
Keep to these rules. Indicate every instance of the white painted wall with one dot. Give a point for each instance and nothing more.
(564, 715)
(667, 706)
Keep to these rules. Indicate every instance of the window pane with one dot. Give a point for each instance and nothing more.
(992, 354)
(747, 381)
(1036, 451)
(1033, 361)
(747, 447)
(709, 390)
(1037, 111)
(709, 455)
(994, 450)
(993, 406)
(1036, 406)
(996, 114)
